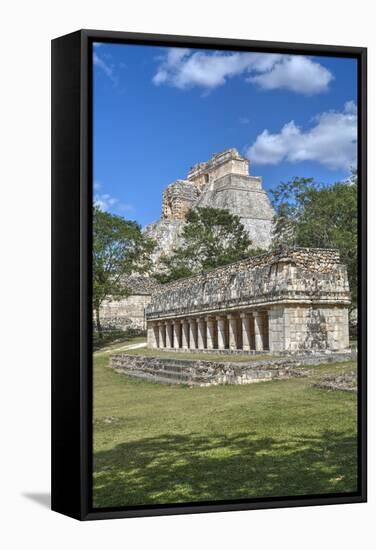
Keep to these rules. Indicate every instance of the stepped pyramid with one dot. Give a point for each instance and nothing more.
(221, 182)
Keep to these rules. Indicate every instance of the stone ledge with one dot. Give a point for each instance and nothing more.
(194, 372)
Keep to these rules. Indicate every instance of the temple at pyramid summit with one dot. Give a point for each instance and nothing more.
(283, 300)
(221, 182)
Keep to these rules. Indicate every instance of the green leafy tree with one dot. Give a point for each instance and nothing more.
(211, 237)
(119, 249)
(313, 215)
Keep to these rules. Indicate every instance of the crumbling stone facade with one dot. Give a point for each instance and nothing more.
(198, 372)
(221, 182)
(129, 313)
(178, 199)
(287, 300)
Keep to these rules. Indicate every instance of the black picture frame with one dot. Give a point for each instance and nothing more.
(71, 273)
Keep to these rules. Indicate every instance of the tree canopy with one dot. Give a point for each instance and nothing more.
(313, 215)
(211, 237)
(119, 249)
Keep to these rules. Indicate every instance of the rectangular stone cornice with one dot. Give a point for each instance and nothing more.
(293, 276)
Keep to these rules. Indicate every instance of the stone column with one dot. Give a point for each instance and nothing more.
(168, 334)
(201, 333)
(210, 332)
(221, 323)
(184, 334)
(152, 335)
(233, 329)
(258, 330)
(162, 335)
(246, 333)
(177, 328)
(279, 328)
(192, 333)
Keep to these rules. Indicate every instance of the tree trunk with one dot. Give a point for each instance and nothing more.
(98, 322)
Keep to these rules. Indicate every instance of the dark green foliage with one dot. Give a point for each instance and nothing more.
(119, 249)
(313, 215)
(212, 237)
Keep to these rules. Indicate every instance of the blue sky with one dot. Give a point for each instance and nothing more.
(158, 111)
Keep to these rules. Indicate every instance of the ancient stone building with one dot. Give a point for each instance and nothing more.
(129, 312)
(290, 300)
(221, 182)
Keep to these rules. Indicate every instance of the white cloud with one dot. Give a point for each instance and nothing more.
(296, 73)
(331, 141)
(107, 69)
(108, 203)
(182, 68)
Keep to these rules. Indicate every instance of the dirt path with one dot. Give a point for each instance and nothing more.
(121, 348)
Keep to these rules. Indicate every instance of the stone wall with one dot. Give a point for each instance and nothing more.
(125, 314)
(314, 328)
(207, 373)
(222, 182)
(129, 313)
(178, 199)
(302, 276)
(245, 197)
(283, 301)
(229, 161)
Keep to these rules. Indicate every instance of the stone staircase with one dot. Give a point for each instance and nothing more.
(171, 371)
(198, 372)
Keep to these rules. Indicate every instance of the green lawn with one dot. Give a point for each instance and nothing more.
(156, 444)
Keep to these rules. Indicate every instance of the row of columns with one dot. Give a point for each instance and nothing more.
(247, 331)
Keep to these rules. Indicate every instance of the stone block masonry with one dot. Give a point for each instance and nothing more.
(221, 182)
(129, 313)
(195, 372)
(288, 300)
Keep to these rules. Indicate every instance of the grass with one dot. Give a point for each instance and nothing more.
(156, 444)
(113, 337)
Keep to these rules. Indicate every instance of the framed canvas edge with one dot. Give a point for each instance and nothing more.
(84, 456)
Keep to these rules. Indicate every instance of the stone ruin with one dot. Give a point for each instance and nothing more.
(289, 300)
(129, 313)
(221, 182)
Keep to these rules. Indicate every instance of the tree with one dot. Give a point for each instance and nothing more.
(313, 215)
(119, 249)
(211, 237)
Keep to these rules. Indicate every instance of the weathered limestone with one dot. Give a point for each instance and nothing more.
(129, 313)
(196, 372)
(177, 331)
(289, 300)
(258, 331)
(162, 335)
(153, 335)
(221, 321)
(178, 199)
(246, 332)
(233, 331)
(221, 182)
(185, 334)
(192, 333)
(169, 334)
(210, 333)
(201, 334)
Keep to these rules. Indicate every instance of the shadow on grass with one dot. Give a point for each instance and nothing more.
(183, 468)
